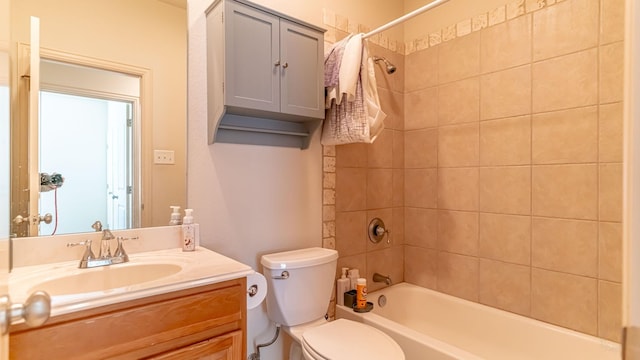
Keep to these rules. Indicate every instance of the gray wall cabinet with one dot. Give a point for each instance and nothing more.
(265, 74)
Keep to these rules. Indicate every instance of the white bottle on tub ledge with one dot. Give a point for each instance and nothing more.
(188, 231)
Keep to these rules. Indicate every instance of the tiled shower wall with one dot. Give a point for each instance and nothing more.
(500, 172)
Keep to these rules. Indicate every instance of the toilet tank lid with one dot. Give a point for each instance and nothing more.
(298, 258)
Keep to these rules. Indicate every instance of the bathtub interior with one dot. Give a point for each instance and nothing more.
(470, 330)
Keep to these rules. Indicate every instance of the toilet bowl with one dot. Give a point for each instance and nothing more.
(299, 285)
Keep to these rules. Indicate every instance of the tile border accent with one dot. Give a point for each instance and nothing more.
(509, 11)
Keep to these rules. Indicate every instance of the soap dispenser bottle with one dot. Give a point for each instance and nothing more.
(175, 216)
(188, 231)
(342, 286)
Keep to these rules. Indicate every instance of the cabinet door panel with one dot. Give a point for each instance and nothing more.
(225, 347)
(251, 76)
(301, 49)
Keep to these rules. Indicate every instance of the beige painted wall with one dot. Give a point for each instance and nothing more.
(150, 34)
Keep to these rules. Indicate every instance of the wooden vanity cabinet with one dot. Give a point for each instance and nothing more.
(203, 322)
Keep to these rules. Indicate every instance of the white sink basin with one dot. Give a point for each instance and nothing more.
(106, 278)
(146, 274)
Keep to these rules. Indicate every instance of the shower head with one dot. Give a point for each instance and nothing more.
(390, 68)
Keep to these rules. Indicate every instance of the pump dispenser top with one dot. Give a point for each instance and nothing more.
(175, 216)
(188, 216)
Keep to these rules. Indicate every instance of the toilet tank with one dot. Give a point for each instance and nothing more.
(303, 293)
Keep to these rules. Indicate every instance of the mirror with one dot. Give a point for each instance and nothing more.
(145, 38)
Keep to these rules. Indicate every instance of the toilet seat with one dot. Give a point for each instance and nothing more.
(346, 339)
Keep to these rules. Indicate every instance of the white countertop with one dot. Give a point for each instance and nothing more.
(200, 267)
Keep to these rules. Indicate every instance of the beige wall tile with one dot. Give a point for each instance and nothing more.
(421, 227)
(421, 266)
(459, 58)
(610, 311)
(458, 145)
(458, 275)
(458, 232)
(506, 45)
(420, 188)
(459, 102)
(566, 27)
(567, 191)
(506, 141)
(565, 82)
(505, 238)
(380, 153)
(387, 262)
(564, 299)
(397, 161)
(397, 233)
(379, 188)
(351, 189)
(351, 155)
(398, 188)
(506, 190)
(422, 65)
(611, 72)
(458, 189)
(568, 136)
(351, 232)
(421, 148)
(611, 21)
(610, 251)
(505, 93)
(421, 109)
(610, 135)
(565, 245)
(610, 198)
(505, 286)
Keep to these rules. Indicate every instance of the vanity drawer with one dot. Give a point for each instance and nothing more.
(138, 328)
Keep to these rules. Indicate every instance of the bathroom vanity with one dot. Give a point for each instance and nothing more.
(162, 304)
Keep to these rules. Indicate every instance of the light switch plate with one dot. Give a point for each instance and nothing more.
(164, 157)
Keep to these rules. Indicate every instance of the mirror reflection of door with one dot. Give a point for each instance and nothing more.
(86, 147)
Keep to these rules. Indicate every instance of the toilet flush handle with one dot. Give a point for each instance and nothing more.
(283, 276)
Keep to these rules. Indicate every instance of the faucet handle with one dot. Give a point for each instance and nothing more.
(120, 250)
(88, 254)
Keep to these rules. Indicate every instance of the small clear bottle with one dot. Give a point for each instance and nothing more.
(188, 231)
(354, 274)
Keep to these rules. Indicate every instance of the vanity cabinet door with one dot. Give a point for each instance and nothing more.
(302, 80)
(252, 69)
(142, 328)
(225, 347)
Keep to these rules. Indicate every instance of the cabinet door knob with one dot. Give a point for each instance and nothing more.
(286, 65)
(277, 63)
(35, 311)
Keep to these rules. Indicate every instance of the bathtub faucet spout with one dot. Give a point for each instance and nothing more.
(381, 278)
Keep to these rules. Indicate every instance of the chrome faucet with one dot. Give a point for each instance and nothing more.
(89, 260)
(105, 245)
(381, 278)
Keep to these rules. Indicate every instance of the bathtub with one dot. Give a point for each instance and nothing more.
(431, 325)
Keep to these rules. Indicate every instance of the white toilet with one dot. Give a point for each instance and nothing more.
(299, 284)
